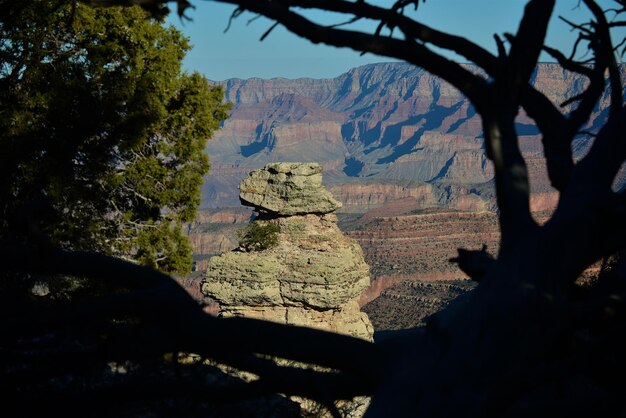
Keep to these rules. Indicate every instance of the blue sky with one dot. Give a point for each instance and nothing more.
(238, 52)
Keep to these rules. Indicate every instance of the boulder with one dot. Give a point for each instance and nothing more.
(287, 189)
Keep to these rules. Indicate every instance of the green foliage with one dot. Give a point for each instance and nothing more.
(102, 136)
(258, 236)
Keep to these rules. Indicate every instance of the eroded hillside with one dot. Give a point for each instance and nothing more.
(374, 128)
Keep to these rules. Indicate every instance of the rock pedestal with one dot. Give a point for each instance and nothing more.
(313, 276)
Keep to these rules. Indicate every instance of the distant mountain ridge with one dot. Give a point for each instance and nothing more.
(374, 127)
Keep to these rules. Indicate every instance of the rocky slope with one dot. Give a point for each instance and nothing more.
(312, 276)
(418, 246)
(374, 128)
(408, 304)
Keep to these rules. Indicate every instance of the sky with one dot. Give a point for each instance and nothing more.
(238, 53)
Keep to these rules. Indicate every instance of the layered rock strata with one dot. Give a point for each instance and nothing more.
(408, 304)
(313, 276)
(380, 125)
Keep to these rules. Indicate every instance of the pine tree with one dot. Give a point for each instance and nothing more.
(102, 135)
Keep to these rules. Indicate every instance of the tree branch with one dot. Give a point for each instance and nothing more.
(512, 186)
(589, 206)
(469, 84)
(410, 28)
(597, 170)
(567, 63)
(197, 329)
(606, 46)
(559, 131)
(526, 47)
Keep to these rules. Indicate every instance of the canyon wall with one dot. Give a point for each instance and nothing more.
(382, 132)
(402, 151)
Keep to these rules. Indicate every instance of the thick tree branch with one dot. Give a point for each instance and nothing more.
(556, 145)
(511, 174)
(272, 377)
(598, 169)
(590, 218)
(512, 186)
(199, 330)
(469, 84)
(409, 27)
(559, 131)
(526, 47)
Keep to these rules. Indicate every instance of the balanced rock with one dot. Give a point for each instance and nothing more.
(287, 189)
(313, 276)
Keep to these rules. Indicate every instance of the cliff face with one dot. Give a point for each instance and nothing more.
(418, 247)
(379, 124)
(313, 276)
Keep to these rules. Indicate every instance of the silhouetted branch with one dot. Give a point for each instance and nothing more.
(512, 187)
(553, 125)
(154, 386)
(410, 28)
(589, 204)
(599, 167)
(526, 47)
(198, 330)
(607, 51)
(567, 63)
(474, 263)
(501, 48)
(584, 28)
(267, 32)
(471, 85)
(558, 131)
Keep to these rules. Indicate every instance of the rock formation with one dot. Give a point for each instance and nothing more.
(287, 189)
(313, 276)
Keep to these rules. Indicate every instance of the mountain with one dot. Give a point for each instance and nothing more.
(384, 132)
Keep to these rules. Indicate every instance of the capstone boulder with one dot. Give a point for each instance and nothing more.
(287, 189)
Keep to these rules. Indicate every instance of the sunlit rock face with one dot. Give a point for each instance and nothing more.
(287, 189)
(313, 276)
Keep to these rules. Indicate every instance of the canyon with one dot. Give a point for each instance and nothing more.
(382, 132)
(401, 150)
